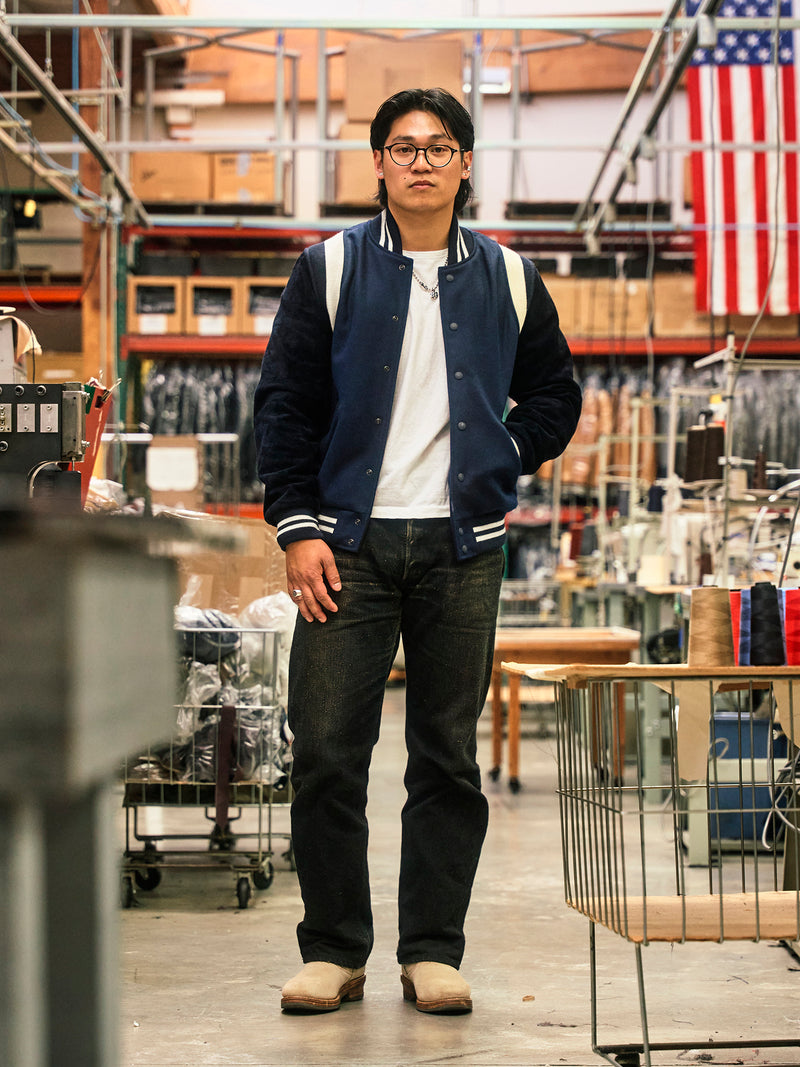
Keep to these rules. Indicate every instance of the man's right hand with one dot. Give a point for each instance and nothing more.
(311, 569)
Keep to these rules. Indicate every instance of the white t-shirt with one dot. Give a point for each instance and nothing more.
(416, 464)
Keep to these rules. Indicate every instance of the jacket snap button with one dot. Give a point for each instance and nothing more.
(462, 426)
(402, 266)
(449, 277)
(459, 375)
(378, 421)
(461, 477)
(453, 325)
(369, 470)
(461, 529)
(351, 541)
(463, 548)
(395, 318)
(387, 368)
(357, 522)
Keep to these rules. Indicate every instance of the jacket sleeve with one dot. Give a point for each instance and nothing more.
(292, 403)
(546, 396)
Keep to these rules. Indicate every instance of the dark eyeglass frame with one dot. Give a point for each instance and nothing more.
(428, 160)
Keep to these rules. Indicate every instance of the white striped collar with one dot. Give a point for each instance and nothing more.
(389, 238)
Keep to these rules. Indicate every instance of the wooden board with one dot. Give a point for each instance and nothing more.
(578, 674)
(727, 917)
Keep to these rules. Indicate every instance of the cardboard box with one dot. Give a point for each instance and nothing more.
(228, 579)
(376, 69)
(56, 367)
(213, 306)
(156, 304)
(243, 177)
(610, 308)
(174, 471)
(675, 315)
(564, 293)
(260, 300)
(355, 171)
(171, 176)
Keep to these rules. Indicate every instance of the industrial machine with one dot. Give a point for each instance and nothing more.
(42, 427)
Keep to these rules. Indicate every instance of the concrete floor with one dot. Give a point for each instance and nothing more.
(201, 977)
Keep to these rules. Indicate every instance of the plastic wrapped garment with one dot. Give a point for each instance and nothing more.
(276, 613)
(260, 748)
(205, 635)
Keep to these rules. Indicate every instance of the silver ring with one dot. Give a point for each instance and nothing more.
(297, 594)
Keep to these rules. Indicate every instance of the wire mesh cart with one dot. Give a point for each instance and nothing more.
(228, 761)
(709, 853)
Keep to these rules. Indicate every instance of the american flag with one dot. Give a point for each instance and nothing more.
(737, 93)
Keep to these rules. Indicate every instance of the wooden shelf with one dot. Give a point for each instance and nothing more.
(41, 294)
(231, 346)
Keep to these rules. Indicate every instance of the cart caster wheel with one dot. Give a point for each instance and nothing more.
(494, 773)
(243, 892)
(127, 891)
(514, 785)
(149, 878)
(627, 1059)
(262, 876)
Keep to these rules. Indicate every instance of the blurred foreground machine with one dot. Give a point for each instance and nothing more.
(42, 427)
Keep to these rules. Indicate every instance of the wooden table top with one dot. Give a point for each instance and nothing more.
(574, 638)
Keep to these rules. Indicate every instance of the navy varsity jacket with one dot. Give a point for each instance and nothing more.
(324, 399)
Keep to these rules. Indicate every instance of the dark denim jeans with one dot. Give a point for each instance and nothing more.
(404, 581)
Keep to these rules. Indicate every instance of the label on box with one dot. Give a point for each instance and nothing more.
(212, 325)
(152, 324)
(263, 323)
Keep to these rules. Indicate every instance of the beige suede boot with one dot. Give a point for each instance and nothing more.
(322, 986)
(436, 988)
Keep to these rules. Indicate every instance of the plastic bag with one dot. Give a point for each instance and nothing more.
(207, 635)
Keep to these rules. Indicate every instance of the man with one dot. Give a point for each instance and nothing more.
(388, 471)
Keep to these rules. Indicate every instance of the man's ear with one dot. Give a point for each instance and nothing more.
(377, 159)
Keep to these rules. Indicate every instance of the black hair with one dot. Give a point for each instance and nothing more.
(453, 116)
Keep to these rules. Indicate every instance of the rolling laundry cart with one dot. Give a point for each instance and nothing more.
(729, 776)
(228, 761)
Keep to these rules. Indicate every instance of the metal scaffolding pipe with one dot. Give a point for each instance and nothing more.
(34, 74)
(470, 24)
(662, 98)
(510, 144)
(638, 86)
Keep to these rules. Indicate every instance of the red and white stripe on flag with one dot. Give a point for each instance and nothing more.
(737, 93)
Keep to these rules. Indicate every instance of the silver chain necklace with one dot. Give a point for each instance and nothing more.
(433, 293)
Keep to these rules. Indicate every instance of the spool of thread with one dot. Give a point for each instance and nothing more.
(589, 542)
(695, 454)
(714, 451)
(760, 470)
(710, 628)
(767, 648)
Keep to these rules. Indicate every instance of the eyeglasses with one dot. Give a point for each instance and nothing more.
(437, 155)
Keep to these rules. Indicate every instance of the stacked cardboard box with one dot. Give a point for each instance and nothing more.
(213, 306)
(177, 177)
(260, 299)
(243, 177)
(374, 70)
(156, 304)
